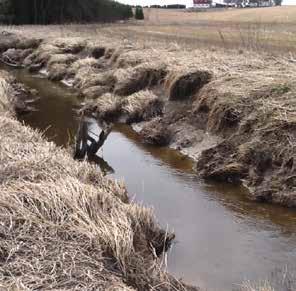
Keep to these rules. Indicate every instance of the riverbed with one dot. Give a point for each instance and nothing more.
(222, 237)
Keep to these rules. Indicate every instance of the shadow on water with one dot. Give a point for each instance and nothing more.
(222, 237)
(104, 166)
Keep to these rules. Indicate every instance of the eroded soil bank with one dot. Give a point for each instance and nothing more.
(65, 226)
(258, 239)
(233, 113)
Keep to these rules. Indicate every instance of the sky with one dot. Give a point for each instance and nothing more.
(186, 2)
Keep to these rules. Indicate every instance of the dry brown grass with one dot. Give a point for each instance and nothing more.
(258, 123)
(86, 62)
(283, 14)
(280, 280)
(65, 226)
(13, 96)
(142, 76)
(62, 59)
(95, 92)
(269, 30)
(142, 105)
(69, 206)
(106, 106)
(265, 286)
(5, 92)
(227, 86)
(182, 85)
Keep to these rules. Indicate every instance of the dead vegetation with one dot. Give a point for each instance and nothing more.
(5, 93)
(134, 79)
(65, 226)
(239, 29)
(183, 85)
(14, 41)
(281, 280)
(143, 105)
(233, 113)
(16, 57)
(264, 286)
(259, 130)
(95, 92)
(107, 107)
(14, 97)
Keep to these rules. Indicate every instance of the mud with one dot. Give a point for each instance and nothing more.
(239, 125)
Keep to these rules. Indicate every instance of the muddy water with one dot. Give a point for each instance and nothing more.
(222, 238)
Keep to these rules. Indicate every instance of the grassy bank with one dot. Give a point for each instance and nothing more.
(65, 226)
(233, 113)
(240, 99)
(4, 93)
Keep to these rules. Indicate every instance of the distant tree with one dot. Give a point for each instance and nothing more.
(5, 13)
(172, 6)
(176, 6)
(4, 5)
(139, 14)
(278, 2)
(65, 11)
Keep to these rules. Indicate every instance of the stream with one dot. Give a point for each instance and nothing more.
(222, 237)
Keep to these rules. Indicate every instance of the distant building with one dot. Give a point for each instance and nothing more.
(244, 3)
(257, 3)
(202, 3)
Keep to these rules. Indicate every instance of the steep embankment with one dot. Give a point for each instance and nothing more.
(233, 113)
(65, 226)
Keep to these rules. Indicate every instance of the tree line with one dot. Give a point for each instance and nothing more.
(170, 6)
(63, 11)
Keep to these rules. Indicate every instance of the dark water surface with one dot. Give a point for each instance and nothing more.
(222, 238)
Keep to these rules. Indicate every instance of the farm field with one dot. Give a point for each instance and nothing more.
(263, 29)
(270, 15)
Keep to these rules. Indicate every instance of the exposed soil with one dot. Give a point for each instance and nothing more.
(234, 114)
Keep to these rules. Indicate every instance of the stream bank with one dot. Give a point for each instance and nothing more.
(222, 238)
(234, 115)
(64, 225)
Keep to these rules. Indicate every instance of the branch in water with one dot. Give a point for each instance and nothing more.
(82, 148)
(95, 146)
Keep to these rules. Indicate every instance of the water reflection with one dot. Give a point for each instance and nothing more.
(265, 215)
(104, 166)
